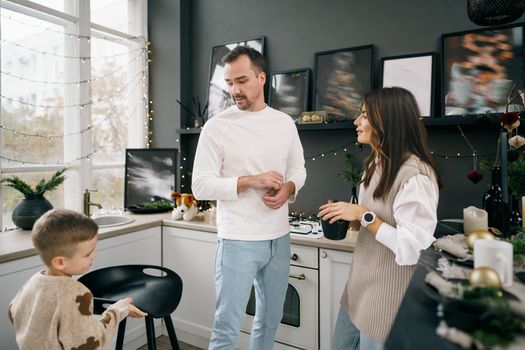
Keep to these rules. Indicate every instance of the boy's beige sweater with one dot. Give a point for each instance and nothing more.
(56, 312)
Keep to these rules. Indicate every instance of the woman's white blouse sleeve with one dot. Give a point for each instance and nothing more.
(415, 213)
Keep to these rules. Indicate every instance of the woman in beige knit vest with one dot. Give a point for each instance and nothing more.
(398, 199)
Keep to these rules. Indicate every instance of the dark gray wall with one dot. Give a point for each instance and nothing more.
(295, 30)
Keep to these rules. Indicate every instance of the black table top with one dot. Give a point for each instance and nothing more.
(416, 321)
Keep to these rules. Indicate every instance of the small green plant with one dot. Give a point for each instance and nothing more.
(40, 188)
(352, 173)
(517, 177)
(160, 204)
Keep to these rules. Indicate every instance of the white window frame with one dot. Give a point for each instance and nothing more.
(75, 118)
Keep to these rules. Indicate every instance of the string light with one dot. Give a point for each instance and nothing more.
(81, 105)
(88, 127)
(24, 162)
(72, 35)
(83, 58)
(71, 82)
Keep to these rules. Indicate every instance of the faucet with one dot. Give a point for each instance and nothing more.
(88, 203)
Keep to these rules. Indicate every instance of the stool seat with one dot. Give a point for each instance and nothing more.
(158, 293)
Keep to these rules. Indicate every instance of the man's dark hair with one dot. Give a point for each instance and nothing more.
(256, 58)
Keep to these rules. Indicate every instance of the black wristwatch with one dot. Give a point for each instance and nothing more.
(368, 218)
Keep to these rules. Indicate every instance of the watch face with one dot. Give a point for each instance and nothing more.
(368, 217)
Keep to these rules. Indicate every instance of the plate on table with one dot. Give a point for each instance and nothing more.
(460, 261)
(433, 293)
(140, 209)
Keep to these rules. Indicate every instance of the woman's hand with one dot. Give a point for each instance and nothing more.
(341, 211)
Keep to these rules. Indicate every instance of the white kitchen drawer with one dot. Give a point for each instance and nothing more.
(304, 256)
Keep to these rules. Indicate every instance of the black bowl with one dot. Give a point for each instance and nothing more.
(335, 231)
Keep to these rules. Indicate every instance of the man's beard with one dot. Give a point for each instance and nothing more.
(246, 104)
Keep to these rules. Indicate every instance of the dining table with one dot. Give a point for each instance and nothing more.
(417, 319)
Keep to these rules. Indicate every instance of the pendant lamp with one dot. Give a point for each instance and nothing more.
(494, 12)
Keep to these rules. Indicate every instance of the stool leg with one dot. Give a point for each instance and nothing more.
(171, 332)
(120, 334)
(150, 333)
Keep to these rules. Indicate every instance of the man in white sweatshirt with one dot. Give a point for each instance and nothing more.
(250, 159)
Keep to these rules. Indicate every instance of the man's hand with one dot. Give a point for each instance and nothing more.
(275, 198)
(269, 180)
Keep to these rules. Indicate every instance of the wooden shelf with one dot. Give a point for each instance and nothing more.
(470, 119)
(188, 131)
(346, 125)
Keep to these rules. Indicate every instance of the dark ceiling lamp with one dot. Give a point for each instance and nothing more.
(494, 12)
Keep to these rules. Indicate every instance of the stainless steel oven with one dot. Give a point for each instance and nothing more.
(299, 326)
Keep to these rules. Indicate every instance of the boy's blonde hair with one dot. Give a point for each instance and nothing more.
(58, 232)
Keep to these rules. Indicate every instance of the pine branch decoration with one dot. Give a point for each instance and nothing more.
(43, 185)
(352, 173)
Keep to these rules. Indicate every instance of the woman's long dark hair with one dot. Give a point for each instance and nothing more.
(397, 133)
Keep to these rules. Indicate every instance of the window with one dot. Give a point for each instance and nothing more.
(73, 93)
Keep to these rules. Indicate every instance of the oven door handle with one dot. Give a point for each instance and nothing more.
(300, 277)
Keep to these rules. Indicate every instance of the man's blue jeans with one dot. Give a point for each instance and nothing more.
(237, 265)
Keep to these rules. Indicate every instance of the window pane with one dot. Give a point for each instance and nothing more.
(11, 197)
(113, 88)
(109, 184)
(32, 86)
(110, 13)
(54, 4)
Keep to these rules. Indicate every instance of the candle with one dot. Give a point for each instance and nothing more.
(475, 219)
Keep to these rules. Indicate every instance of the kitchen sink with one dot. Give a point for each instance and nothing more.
(112, 220)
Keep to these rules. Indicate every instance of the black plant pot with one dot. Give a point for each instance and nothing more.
(29, 210)
(335, 231)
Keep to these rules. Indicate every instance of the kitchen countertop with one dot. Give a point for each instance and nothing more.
(17, 244)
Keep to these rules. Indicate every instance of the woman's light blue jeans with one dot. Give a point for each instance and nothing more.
(237, 265)
(348, 337)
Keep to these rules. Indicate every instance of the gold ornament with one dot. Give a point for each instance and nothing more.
(478, 234)
(484, 277)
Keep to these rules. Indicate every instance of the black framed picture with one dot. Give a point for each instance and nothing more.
(218, 95)
(415, 73)
(342, 78)
(150, 174)
(289, 91)
(481, 69)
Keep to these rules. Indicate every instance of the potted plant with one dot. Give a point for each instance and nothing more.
(34, 205)
(352, 174)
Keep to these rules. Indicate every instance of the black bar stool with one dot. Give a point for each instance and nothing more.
(159, 295)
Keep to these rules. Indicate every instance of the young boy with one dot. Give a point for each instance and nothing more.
(54, 311)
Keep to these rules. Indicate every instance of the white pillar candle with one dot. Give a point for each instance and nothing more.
(475, 219)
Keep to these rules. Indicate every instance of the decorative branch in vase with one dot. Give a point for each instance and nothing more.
(351, 174)
(34, 204)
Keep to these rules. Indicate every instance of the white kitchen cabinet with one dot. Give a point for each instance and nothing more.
(13, 275)
(334, 267)
(191, 254)
(141, 247)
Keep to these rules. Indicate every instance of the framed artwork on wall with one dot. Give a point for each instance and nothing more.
(415, 73)
(218, 95)
(289, 91)
(342, 78)
(482, 69)
(150, 174)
